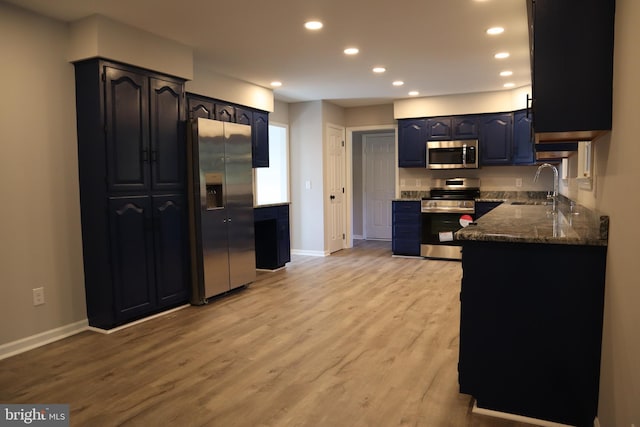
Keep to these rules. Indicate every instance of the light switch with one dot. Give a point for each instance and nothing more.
(307, 185)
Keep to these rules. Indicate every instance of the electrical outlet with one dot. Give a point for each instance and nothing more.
(38, 296)
(518, 182)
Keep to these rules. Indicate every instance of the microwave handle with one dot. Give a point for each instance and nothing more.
(464, 155)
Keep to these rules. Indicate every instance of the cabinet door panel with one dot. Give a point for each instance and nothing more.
(496, 139)
(127, 130)
(439, 129)
(131, 256)
(412, 143)
(260, 140)
(465, 127)
(225, 113)
(200, 108)
(167, 136)
(523, 152)
(170, 249)
(243, 116)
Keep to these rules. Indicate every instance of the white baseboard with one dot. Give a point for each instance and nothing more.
(308, 253)
(38, 340)
(358, 237)
(513, 417)
(137, 322)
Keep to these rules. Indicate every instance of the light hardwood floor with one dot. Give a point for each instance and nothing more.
(354, 339)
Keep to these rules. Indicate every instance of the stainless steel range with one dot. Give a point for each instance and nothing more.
(449, 207)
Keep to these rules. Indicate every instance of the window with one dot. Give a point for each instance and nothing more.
(272, 183)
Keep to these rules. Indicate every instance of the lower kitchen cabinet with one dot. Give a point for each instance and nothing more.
(406, 227)
(148, 257)
(531, 328)
(273, 241)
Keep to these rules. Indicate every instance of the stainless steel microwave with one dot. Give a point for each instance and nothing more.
(452, 154)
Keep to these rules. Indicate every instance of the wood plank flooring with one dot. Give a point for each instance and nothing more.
(354, 339)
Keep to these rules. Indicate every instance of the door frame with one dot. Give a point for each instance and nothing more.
(365, 181)
(349, 171)
(327, 211)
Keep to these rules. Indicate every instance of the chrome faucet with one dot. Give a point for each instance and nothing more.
(556, 184)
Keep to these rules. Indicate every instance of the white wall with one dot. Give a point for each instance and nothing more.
(209, 83)
(40, 215)
(470, 103)
(305, 151)
(619, 178)
(98, 36)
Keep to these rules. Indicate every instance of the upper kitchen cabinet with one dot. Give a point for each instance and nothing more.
(209, 108)
(244, 116)
(200, 107)
(452, 128)
(439, 129)
(495, 139)
(412, 143)
(225, 113)
(144, 143)
(132, 168)
(523, 152)
(260, 139)
(572, 67)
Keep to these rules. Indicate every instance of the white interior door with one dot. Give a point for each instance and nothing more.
(335, 188)
(379, 184)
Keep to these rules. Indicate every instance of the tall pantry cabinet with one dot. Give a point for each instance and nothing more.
(131, 156)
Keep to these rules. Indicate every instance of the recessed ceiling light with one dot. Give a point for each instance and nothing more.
(313, 25)
(276, 83)
(379, 70)
(506, 73)
(414, 93)
(398, 83)
(509, 84)
(501, 55)
(351, 51)
(495, 30)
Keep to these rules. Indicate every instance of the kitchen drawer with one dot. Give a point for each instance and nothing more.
(265, 214)
(406, 206)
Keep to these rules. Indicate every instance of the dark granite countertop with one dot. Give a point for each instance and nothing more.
(529, 220)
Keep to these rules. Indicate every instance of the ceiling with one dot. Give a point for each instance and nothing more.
(437, 47)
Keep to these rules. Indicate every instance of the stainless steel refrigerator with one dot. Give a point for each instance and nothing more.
(220, 207)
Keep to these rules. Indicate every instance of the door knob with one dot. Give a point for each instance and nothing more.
(332, 197)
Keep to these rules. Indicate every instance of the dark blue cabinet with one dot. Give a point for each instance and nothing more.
(260, 139)
(132, 166)
(127, 129)
(131, 256)
(517, 358)
(200, 107)
(170, 249)
(452, 128)
(495, 139)
(465, 127)
(406, 227)
(213, 109)
(273, 239)
(569, 102)
(412, 143)
(523, 142)
(439, 129)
